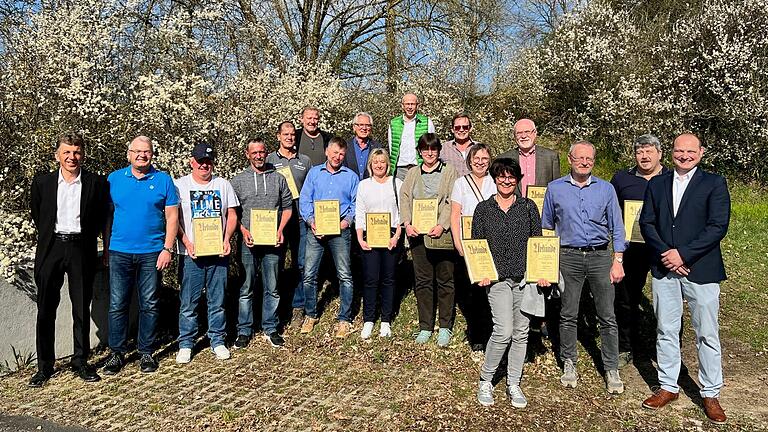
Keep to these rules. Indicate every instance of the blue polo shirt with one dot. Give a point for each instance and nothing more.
(139, 219)
(583, 216)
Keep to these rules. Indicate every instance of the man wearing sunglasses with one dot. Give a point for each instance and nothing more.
(455, 151)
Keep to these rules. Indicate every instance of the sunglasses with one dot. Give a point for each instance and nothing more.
(462, 127)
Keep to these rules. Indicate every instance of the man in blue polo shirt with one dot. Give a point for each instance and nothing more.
(329, 181)
(143, 231)
(585, 213)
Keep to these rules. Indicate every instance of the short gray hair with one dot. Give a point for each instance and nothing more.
(582, 142)
(646, 140)
(145, 139)
(362, 113)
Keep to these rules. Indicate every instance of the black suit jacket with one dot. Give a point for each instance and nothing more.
(701, 223)
(350, 158)
(94, 206)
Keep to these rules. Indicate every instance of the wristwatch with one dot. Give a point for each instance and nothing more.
(620, 260)
(169, 250)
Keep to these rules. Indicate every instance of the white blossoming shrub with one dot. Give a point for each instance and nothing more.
(609, 76)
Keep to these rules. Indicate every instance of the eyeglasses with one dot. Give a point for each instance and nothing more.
(506, 179)
(462, 127)
(525, 132)
(430, 149)
(143, 152)
(583, 159)
(363, 125)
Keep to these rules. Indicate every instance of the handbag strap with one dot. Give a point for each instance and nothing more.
(473, 186)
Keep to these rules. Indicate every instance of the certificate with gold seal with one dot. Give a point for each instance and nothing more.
(466, 227)
(424, 216)
(632, 210)
(209, 236)
(377, 228)
(286, 172)
(477, 256)
(536, 194)
(327, 217)
(543, 259)
(264, 227)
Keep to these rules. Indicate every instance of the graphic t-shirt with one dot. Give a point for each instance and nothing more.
(209, 200)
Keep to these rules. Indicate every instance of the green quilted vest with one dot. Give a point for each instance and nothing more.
(396, 125)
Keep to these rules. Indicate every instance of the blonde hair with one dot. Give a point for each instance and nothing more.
(374, 154)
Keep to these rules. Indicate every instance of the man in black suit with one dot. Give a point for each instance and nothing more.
(685, 215)
(69, 207)
(360, 145)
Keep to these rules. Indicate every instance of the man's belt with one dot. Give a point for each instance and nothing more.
(76, 237)
(587, 248)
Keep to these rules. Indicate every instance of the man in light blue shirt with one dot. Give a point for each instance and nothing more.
(329, 181)
(143, 233)
(584, 211)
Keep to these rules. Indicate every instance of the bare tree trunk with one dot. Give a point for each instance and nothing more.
(390, 39)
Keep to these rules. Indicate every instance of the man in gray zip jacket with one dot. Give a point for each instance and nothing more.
(259, 186)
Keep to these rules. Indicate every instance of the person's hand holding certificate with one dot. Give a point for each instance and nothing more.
(209, 236)
(480, 265)
(327, 218)
(424, 214)
(264, 227)
(543, 259)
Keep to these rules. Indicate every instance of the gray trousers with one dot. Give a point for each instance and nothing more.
(510, 329)
(594, 266)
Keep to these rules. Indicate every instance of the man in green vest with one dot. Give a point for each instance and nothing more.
(403, 134)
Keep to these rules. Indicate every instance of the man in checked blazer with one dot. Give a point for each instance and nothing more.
(69, 207)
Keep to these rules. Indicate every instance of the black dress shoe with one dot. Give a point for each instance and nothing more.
(38, 379)
(147, 364)
(87, 374)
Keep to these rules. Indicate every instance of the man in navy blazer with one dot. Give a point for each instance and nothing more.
(685, 215)
(360, 145)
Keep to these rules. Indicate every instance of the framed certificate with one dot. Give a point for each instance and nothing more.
(424, 216)
(286, 172)
(543, 259)
(632, 221)
(209, 236)
(477, 256)
(377, 227)
(466, 227)
(536, 194)
(264, 227)
(327, 217)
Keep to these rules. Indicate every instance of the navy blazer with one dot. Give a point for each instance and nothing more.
(701, 223)
(350, 158)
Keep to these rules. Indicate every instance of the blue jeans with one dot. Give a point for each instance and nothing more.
(704, 303)
(340, 249)
(266, 260)
(295, 234)
(211, 273)
(125, 271)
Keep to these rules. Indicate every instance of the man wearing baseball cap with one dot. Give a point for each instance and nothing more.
(204, 199)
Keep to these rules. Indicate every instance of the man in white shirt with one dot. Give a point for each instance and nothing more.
(403, 136)
(69, 207)
(205, 201)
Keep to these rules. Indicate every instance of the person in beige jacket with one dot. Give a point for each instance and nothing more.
(432, 267)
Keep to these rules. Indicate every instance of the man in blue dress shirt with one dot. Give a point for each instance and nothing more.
(584, 211)
(329, 181)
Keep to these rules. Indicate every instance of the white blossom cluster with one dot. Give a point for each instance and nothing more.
(608, 75)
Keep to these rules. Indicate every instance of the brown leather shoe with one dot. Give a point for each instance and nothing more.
(714, 411)
(660, 399)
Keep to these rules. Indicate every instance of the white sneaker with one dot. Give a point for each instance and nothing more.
(385, 330)
(222, 353)
(184, 356)
(367, 330)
